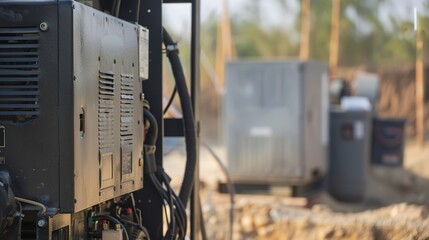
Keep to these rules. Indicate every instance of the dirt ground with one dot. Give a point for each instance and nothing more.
(395, 207)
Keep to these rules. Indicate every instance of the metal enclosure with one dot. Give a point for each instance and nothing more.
(71, 104)
(276, 120)
(350, 146)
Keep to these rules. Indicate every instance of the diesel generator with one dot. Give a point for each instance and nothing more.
(81, 122)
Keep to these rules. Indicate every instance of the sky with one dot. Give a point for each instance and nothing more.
(177, 16)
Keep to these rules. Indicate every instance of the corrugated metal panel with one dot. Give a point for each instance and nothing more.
(265, 118)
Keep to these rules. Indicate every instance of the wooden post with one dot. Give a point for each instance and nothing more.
(420, 89)
(225, 50)
(304, 51)
(335, 37)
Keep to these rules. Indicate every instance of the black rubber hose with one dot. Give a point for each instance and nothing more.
(188, 118)
(138, 11)
(152, 134)
(116, 8)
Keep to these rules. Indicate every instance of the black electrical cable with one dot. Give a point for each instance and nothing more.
(190, 139)
(138, 11)
(165, 196)
(230, 186)
(168, 195)
(170, 100)
(188, 118)
(135, 225)
(180, 214)
(112, 219)
(202, 225)
(116, 7)
(152, 134)
(138, 217)
(133, 202)
(180, 210)
(189, 124)
(21, 216)
(172, 225)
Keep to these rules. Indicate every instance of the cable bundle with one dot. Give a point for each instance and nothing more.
(177, 225)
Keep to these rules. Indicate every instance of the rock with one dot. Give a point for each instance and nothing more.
(261, 219)
(246, 222)
(326, 233)
(321, 208)
(265, 231)
(339, 233)
(302, 223)
(409, 211)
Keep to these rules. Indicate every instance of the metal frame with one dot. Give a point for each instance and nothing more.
(148, 199)
(171, 124)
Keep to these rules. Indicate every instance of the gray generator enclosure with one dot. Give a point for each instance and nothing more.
(276, 121)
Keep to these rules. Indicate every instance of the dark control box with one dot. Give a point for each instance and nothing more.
(70, 103)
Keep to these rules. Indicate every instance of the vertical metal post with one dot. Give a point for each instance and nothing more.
(148, 199)
(195, 89)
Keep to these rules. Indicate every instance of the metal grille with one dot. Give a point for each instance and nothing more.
(106, 116)
(127, 109)
(270, 156)
(19, 74)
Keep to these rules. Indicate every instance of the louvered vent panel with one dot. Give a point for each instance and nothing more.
(19, 74)
(106, 116)
(127, 109)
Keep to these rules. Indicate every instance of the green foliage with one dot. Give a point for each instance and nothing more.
(368, 38)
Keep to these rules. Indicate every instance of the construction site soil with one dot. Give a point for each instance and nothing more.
(395, 207)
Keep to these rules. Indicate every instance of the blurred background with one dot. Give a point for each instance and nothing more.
(355, 168)
(375, 36)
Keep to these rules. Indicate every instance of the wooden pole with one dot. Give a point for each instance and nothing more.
(420, 90)
(304, 51)
(225, 50)
(335, 37)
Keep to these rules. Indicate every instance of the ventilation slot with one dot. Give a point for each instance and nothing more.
(127, 109)
(19, 74)
(106, 110)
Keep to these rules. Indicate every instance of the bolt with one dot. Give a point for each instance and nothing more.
(105, 226)
(42, 223)
(44, 26)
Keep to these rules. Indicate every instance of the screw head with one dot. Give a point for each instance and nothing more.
(42, 223)
(44, 26)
